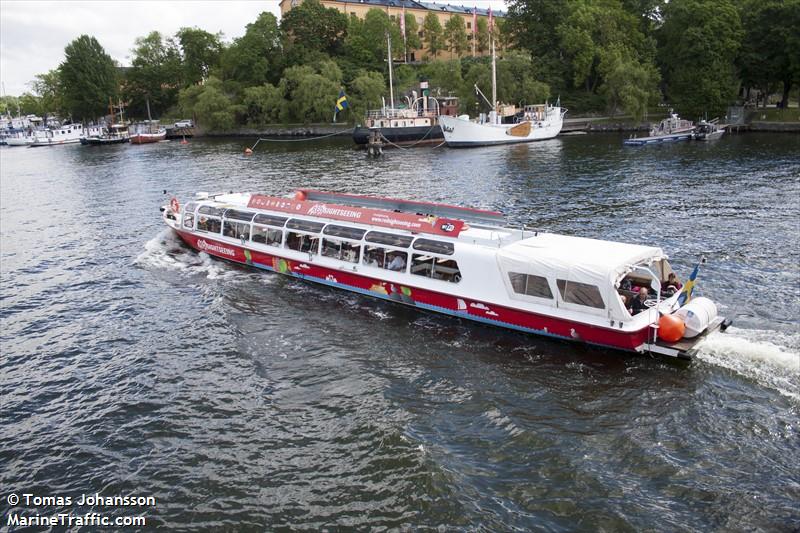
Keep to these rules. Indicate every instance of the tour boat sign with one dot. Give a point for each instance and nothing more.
(376, 217)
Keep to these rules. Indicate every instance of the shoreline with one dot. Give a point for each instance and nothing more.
(584, 125)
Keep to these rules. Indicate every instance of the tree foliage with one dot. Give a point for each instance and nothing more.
(366, 91)
(154, 76)
(433, 34)
(311, 91)
(50, 94)
(88, 78)
(201, 51)
(253, 58)
(316, 27)
(264, 105)
(770, 53)
(699, 42)
(455, 34)
(210, 106)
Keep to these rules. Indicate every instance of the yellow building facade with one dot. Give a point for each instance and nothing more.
(395, 9)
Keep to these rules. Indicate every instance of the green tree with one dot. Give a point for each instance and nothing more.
(632, 86)
(252, 58)
(700, 40)
(50, 97)
(201, 51)
(264, 104)
(595, 34)
(154, 76)
(311, 91)
(31, 105)
(367, 46)
(770, 53)
(210, 106)
(433, 34)
(316, 27)
(413, 42)
(455, 34)
(365, 93)
(482, 33)
(87, 77)
(531, 25)
(444, 75)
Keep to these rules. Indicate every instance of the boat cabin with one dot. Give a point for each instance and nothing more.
(570, 277)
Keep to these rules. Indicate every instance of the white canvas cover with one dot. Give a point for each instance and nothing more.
(596, 262)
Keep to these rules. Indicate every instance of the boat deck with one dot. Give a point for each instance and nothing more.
(686, 348)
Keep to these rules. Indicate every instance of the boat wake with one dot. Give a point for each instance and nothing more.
(771, 358)
(166, 251)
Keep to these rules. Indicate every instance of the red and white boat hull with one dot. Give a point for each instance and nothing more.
(351, 279)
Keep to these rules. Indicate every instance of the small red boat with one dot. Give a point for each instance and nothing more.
(146, 132)
(457, 261)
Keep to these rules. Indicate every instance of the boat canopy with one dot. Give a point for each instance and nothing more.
(576, 259)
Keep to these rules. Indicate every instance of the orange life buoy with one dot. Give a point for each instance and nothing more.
(174, 205)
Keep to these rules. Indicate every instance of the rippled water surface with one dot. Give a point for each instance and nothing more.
(243, 400)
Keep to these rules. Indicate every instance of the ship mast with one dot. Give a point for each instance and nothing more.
(391, 85)
(494, 85)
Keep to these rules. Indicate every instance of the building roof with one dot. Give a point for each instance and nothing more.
(428, 6)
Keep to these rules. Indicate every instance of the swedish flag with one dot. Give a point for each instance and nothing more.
(341, 104)
(686, 292)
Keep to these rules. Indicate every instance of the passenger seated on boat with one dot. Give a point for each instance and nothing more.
(637, 305)
(398, 263)
(671, 285)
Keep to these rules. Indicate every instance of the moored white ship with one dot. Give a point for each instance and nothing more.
(538, 123)
(456, 261)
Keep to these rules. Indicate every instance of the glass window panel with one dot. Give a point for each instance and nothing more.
(436, 247)
(379, 237)
(305, 225)
(580, 293)
(270, 220)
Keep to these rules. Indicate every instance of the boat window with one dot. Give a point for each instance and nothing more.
(436, 247)
(435, 268)
(188, 220)
(377, 256)
(270, 220)
(236, 230)
(379, 237)
(265, 235)
(342, 250)
(208, 210)
(344, 231)
(580, 293)
(245, 216)
(302, 242)
(209, 224)
(305, 225)
(190, 207)
(530, 285)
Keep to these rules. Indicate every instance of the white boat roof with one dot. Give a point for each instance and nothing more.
(576, 258)
(546, 254)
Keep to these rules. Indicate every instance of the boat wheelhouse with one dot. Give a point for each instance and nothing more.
(453, 260)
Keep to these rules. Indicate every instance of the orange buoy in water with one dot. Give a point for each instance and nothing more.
(671, 328)
(247, 151)
(300, 195)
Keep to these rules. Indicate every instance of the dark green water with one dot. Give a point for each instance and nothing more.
(243, 400)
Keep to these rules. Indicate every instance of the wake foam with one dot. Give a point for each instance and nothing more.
(771, 358)
(166, 251)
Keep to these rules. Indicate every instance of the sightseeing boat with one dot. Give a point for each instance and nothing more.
(457, 261)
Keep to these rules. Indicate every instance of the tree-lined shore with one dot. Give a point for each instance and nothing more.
(598, 56)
